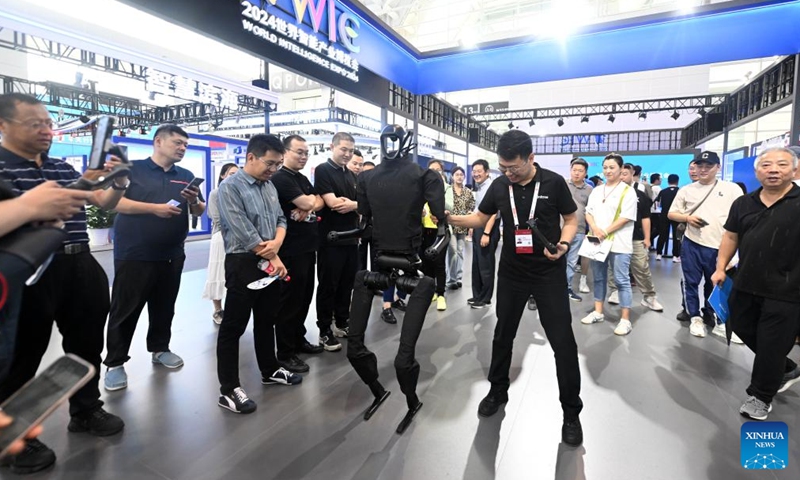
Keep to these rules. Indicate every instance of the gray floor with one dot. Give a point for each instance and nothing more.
(660, 404)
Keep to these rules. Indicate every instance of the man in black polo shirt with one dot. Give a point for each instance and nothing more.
(150, 231)
(765, 300)
(73, 290)
(298, 252)
(528, 269)
(338, 261)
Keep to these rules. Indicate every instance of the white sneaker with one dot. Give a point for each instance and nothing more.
(719, 330)
(735, 339)
(658, 257)
(650, 302)
(613, 299)
(676, 259)
(697, 327)
(584, 288)
(593, 317)
(624, 327)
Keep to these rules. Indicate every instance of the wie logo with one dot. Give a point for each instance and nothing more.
(765, 445)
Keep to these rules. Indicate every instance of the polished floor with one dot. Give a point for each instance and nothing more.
(659, 404)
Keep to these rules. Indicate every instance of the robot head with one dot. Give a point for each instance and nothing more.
(395, 142)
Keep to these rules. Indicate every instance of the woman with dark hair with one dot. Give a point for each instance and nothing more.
(742, 186)
(215, 274)
(459, 201)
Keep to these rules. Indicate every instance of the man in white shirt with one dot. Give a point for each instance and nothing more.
(704, 207)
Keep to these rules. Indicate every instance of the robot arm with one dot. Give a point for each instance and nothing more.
(547, 243)
(348, 234)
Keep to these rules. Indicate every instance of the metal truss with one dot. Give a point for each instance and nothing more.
(659, 105)
(634, 141)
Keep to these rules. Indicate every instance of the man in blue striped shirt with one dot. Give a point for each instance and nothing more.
(253, 228)
(74, 289)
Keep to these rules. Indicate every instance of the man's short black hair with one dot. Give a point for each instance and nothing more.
(514, 144)
(170, 129)
(262, 143)
(673, 179)
(579, 161)
(693, 162)
(637, 170)
(8, 103)
(342, 137)
(483, 163)
(357, 153)
(287, 142)
(655, 177)
(433, 160)
(370, 163)
(629, 166)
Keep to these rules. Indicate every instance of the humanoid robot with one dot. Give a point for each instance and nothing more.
(393, 196)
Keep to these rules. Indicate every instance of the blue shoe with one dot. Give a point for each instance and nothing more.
(283, 377)
(574, 296)
(116, 379)
(168, 359)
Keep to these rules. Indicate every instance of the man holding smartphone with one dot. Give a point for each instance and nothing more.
(704, 207)
(148, 252)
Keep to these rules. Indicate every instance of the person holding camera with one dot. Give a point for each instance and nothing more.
(703, 206)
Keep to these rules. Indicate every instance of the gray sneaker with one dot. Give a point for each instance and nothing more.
(116, 379)
(790, 379)
(168, 359)
(755, 409)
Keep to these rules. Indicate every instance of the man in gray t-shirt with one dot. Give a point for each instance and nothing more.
(580, 194)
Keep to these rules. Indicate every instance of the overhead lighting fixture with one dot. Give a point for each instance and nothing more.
(531, 123)
(611, 118)
(701, 112)
(585, 119)
(686, 6)
(675, 115)
(560, 122)
(642, 116)
(511, 125)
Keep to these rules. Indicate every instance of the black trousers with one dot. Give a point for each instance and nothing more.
(483, 264)
(138, 283)
(363, 360)
(337, 270)
(435, 268)
(295, 300)
(554, 313)
(73, 292)
(768, 327)
(666, 225)
(240, 301)
(655, 228)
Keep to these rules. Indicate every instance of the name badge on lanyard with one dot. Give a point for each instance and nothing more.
(523, 237)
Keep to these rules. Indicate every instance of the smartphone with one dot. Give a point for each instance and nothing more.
(195, 183)
(593, 239)
(703, 223)
(40, 397)
(174, 203)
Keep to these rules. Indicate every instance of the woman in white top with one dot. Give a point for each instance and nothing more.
(610, 214)
(215, 275)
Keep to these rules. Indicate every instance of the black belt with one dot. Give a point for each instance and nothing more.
(74, 249)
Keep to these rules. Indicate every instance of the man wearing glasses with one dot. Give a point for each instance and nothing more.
(338, 261)
(150, 231)
(254, 228)
(299, 202)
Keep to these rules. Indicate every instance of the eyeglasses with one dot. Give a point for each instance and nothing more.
(33, 124)
(272, 165)
(301, 153)
(515, 169)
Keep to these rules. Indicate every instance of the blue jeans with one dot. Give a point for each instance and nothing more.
(388, 295)
(573, 259)
(621, 266)
(455, 258)
(697, 262)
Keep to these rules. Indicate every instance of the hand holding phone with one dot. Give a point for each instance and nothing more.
(593, 239)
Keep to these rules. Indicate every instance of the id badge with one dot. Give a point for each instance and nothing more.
(524, 241)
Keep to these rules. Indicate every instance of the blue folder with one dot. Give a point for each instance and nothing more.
(719, 299)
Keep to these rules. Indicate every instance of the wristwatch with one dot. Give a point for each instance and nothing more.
(487, 234)
(565, 243)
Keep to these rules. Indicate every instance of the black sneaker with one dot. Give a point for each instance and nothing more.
(237, 401)
(399, 304)
(99, 423)
(282, 376)
(34, 458)
(387, 315)
(478, 305)
(328, 342)
(307, 347)
(491, 403)
(452, 286)
(572, 432)
(294, 365)
(683, 316)
(572, 296)
(470, 301)
(342, 331)
(789, 379)
(459, 284)
(532, 304)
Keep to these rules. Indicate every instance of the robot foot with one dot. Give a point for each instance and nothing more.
(376, 404)
(407, 419)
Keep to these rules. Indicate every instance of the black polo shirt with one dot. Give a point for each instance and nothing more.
(301, 237)
(554, 201)
(769, 257)
(642, 211)
(24, 175)
(147, 237)
(338, 180)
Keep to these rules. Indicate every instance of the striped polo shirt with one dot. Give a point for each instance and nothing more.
(23, 175)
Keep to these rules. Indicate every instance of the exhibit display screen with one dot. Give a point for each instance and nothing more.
(665, 164)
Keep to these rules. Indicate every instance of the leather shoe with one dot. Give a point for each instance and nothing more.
(388, 316)
(294, 365)
(306, 347)
(491, 403)
(572, 432)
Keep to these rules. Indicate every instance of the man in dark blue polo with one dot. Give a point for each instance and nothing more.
(150, 231)
(73, 291)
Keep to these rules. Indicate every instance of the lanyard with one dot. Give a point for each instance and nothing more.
(514, 204)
